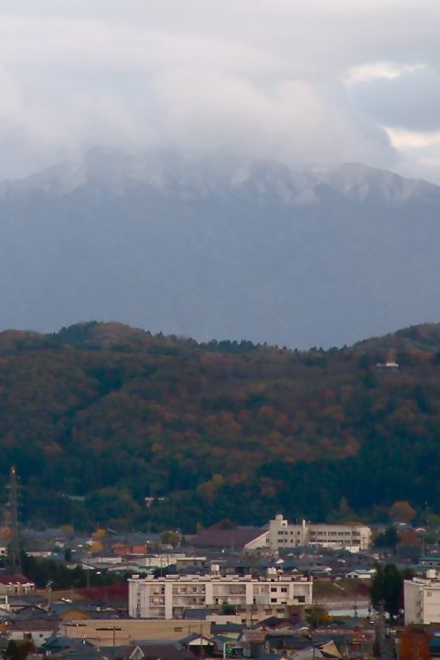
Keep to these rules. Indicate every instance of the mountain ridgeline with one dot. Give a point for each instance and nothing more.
(219, 430)
(217, 247)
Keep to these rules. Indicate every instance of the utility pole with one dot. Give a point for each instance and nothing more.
(381, 641)
(49, 596)
(14, 558)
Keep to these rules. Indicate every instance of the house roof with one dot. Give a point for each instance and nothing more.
(155, 651)
(14, 579)
(215, 537)
(197, 614)
(273, 622)
(82, 651)
(31, 612)
(34, 624)
(193, 637)
(61, 642)
(220, 628)
(116, 593)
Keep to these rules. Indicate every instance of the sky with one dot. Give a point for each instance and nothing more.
(299, 81)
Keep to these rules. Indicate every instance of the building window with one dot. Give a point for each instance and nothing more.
(178, 629)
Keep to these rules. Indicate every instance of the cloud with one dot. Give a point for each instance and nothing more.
(409, 100)
(378, 71)
(295, 81)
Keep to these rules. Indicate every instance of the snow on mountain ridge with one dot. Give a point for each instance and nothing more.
(193, 175)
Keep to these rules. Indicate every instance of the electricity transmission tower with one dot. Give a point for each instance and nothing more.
(13, 561)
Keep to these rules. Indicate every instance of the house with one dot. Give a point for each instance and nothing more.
(164, 651)
(15, 585)
(362, 574)
(57, 643)
(200, 645)
(315, 651)
(68, 612)
(31, 612)
(36, 630)
(81, 650)
(124, 549)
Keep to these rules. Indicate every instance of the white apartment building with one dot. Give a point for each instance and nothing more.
(283, 534)
(169, 596)
(422, 599)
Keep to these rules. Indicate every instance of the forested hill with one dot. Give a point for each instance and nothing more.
(220, 430)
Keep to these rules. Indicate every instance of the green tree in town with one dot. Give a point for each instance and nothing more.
(317, 615)
(387, 539)
(387, 587)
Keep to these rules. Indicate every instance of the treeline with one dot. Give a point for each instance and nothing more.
(219, 430)
(50, 574)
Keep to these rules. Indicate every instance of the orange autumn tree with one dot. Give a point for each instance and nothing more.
(414, 643)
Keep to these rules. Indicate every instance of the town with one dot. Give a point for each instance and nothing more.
(286, 591)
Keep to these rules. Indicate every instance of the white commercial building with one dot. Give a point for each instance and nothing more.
(422, 599)
(168, 597)
(283, 534)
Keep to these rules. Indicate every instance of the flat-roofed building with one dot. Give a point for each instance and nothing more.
(422, 599)
(168, 597)
(283, 534)
(118, 632)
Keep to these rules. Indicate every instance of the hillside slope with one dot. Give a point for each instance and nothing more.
(221, 430)
(219, 247)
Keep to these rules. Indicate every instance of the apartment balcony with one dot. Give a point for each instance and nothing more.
(188, 601)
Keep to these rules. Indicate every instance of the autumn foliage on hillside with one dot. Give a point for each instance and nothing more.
(221, 430)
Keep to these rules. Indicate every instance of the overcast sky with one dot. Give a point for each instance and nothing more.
(294, 80)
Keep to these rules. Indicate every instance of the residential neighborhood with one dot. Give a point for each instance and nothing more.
(281, 592)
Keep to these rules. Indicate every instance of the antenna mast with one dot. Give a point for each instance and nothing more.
(14, 559)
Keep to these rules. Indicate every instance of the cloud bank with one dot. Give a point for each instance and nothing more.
(300, 82)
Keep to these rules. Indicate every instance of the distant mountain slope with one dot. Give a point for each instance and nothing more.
(217, 247)
(220, 430)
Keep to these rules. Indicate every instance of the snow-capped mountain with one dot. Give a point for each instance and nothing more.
(195, 175)
(215, 246)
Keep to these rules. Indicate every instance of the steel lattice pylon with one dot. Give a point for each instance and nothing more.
(13, 561)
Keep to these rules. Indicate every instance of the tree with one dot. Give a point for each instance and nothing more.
(171, 538)
(402, 512)
(228, 609)
(414, 643)
(67, 530)
(317, 615)
(18, 650)
(387, 586)
(387, 539)
(97, 547)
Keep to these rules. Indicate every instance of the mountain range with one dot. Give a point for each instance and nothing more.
(219, 247)
(97, 417)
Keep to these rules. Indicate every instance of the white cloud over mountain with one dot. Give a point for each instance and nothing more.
(293, 81)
